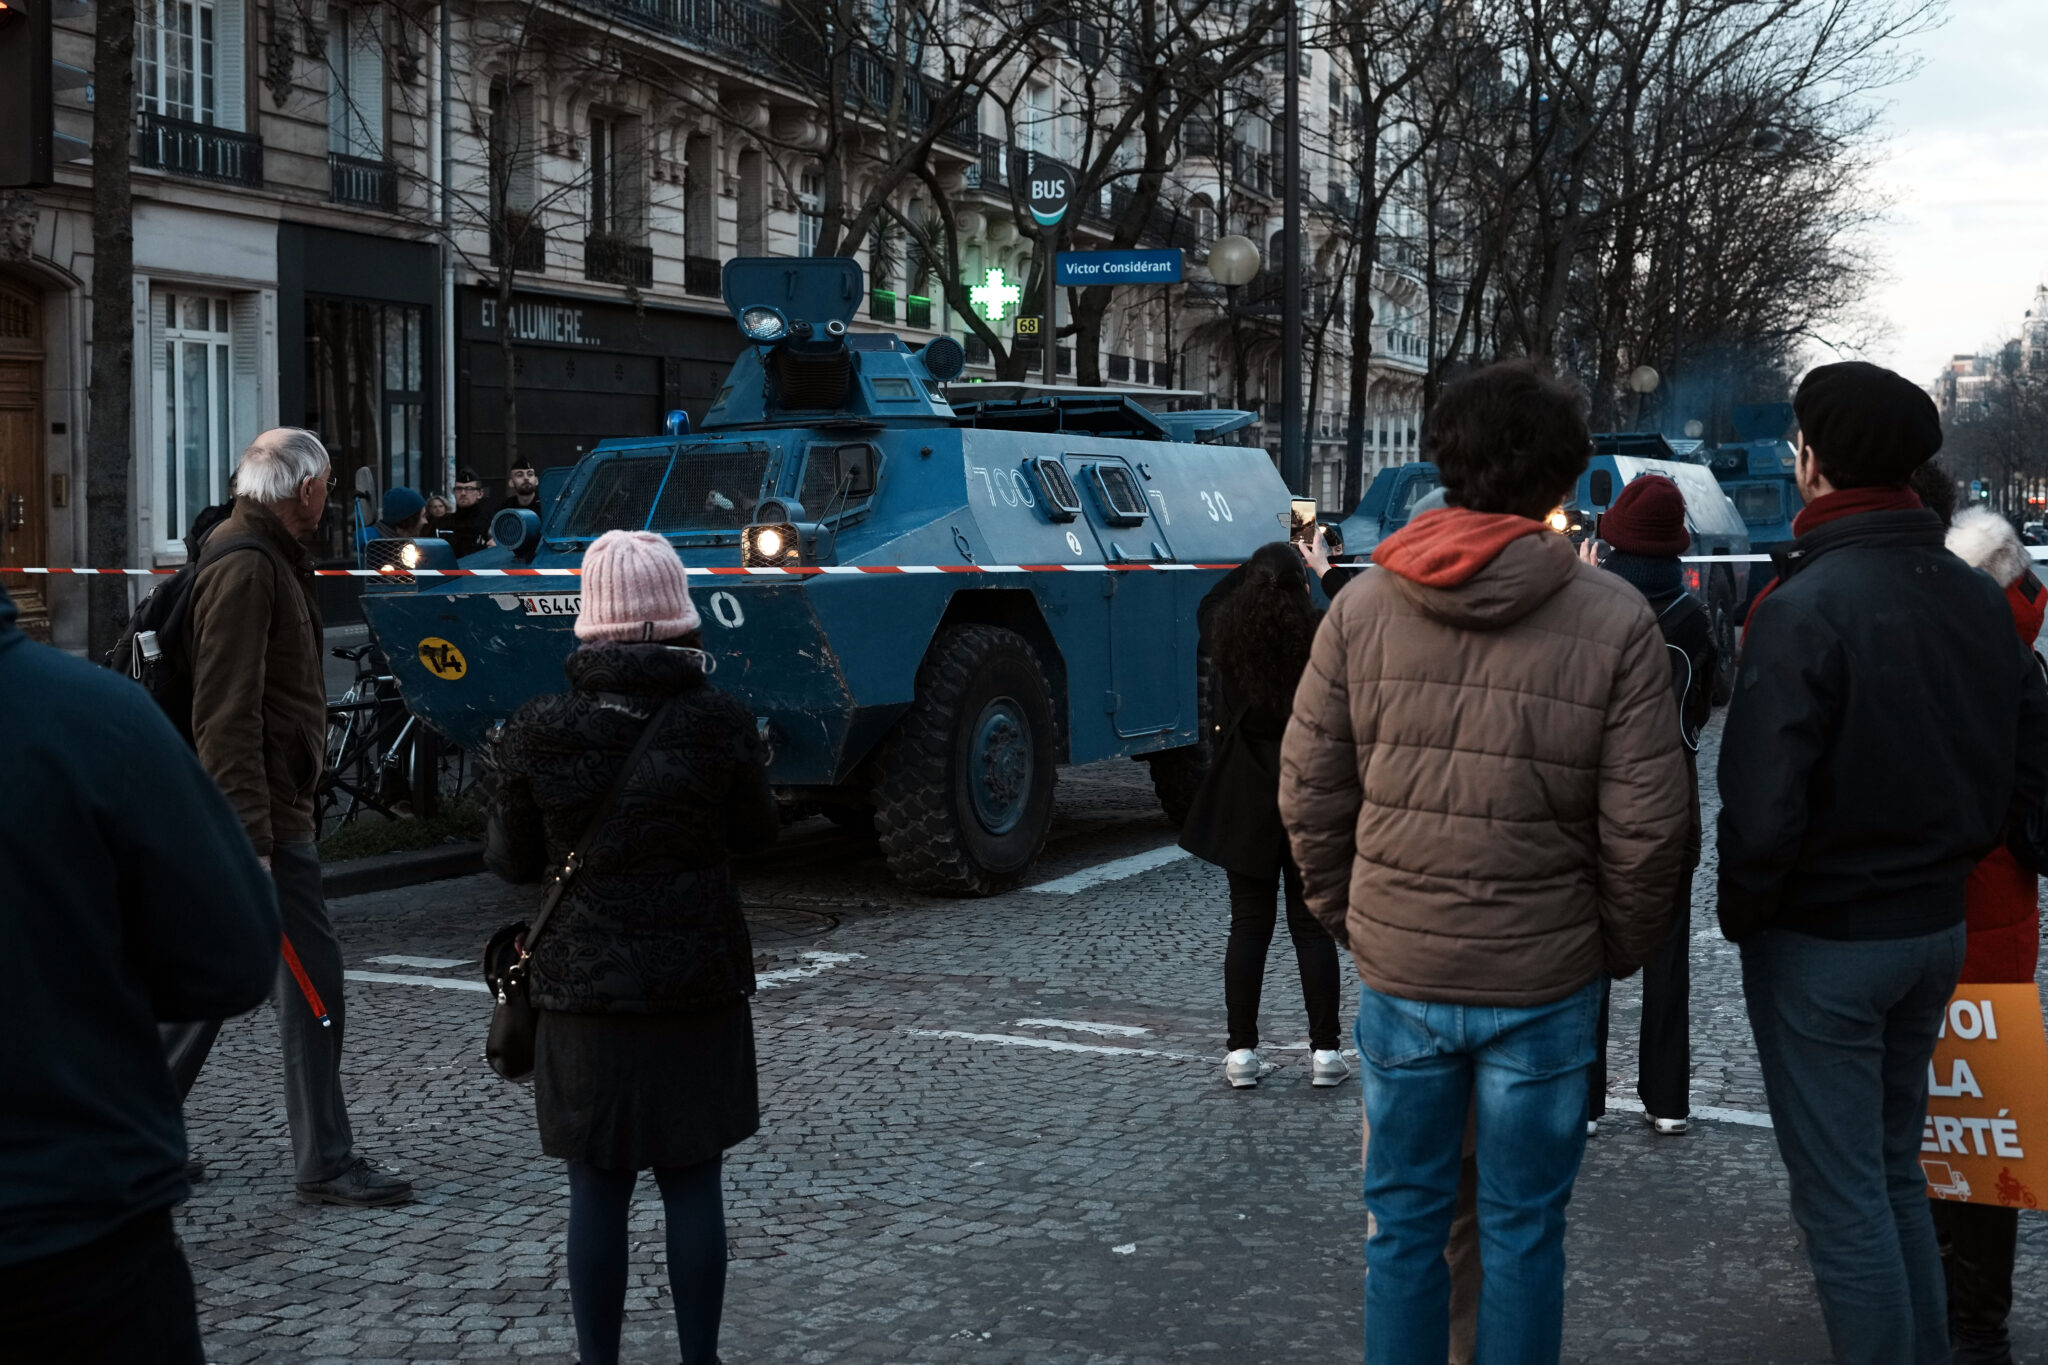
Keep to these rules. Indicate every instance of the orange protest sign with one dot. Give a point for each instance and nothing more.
(1986, 1140)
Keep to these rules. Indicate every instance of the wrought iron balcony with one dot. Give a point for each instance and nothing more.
(611, 259)
(523, 240)
(199, 150)
(917, 310)
(366, 184)
(702, 275)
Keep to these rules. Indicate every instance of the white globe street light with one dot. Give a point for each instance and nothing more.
(1233, 260)
(1643, 379)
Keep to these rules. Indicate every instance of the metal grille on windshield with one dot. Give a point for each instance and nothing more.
(616, 496)
(711, 488)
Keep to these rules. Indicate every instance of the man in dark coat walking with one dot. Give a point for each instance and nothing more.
(128, 896)
(1887, 728)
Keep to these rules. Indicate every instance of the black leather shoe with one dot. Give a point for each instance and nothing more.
(360, 1185)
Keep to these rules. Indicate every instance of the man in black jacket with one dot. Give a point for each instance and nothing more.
(128, 895)
(1887, 729)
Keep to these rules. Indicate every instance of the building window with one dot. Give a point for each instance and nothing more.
(511, 149)
(194, 383)
(1034, 128)
(188, 60)
(617, 193)
(355, 89)
(810, 213)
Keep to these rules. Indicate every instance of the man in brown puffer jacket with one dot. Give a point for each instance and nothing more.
(1483, 785)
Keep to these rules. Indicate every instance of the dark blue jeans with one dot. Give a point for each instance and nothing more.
(1846, 1030)
(1525, 1071)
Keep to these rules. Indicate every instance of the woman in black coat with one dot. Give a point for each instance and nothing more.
(1256, 626)
(644, 1056)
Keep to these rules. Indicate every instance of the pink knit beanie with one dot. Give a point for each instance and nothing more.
(634, 588)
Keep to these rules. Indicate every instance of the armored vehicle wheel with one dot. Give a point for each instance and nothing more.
(963, 787)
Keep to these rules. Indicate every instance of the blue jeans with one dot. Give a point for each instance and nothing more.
(1846, 1030)
(1525, 1071)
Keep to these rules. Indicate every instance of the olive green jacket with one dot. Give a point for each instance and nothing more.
(259, 693)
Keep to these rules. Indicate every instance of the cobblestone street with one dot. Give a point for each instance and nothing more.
(992, 1131)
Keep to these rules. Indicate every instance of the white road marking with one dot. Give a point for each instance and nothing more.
(1114, 871)
(815, 963)
(429, 963)
(1084, 1026)
(1126, 1249)
(445, 983)
(1055, 1044)
(1747, 1118)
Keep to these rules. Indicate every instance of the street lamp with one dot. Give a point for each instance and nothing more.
(1233, 260)
(1643, 380)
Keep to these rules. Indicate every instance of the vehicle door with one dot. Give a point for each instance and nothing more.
(1142, 619)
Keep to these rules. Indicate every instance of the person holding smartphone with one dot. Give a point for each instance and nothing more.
(1256, 628)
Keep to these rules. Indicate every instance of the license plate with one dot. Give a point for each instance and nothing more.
(553, 604)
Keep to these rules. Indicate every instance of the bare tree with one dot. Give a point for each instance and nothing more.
(110, 423)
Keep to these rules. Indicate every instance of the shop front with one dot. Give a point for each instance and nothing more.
(582, 370)
(357, 362)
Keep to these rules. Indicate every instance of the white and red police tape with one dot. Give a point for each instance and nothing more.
(806, 571)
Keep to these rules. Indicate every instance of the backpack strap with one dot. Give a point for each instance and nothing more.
(172, 631)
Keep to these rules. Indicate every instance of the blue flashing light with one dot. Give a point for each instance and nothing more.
(677, 423)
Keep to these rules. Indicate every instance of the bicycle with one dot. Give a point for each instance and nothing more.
(379, 756)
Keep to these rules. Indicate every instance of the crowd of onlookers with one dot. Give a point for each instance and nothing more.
(1475, 772)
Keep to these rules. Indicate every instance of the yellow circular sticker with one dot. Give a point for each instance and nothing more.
(442, 659)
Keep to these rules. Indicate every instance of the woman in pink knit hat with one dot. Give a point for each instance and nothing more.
(645, 1053)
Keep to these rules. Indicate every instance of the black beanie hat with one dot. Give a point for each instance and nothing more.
(1867, 424)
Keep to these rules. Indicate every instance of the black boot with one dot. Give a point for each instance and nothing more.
(1977, 1245)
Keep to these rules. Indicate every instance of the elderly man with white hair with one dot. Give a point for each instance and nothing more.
(259, 719)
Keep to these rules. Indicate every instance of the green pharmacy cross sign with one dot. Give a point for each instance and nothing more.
(995, 295)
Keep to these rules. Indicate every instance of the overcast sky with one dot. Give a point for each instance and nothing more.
(1968, 168)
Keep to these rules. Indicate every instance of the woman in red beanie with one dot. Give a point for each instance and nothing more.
(2002, 902)
(1647, 529)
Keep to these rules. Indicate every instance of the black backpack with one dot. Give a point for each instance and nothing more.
(1689, 640)
(152, 648)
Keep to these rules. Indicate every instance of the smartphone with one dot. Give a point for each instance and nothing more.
(1301, 521)
(1333, 539)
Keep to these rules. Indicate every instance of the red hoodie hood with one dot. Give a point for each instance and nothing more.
(1477, 570)
(1446, 546)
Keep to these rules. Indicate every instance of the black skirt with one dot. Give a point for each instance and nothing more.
(628, 1092)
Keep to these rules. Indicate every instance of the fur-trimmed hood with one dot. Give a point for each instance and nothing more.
(1985, 540)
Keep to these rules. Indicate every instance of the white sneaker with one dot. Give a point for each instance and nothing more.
(1328, 1068)
(1241, 1068)
(1669, 1127)
(1592, 1127)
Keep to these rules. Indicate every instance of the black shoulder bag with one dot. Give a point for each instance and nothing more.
(509, 1045)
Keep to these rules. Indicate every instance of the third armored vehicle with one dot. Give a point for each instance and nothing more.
(928, 602)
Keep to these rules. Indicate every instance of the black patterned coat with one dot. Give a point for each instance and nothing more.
(653, 923)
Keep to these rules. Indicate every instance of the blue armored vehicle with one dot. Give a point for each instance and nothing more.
(1710, 516)
(927, 602)
(1756, 470)
(1387, 505)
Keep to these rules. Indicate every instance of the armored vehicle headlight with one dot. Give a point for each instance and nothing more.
(1559, 522)
(764, 324)
(770, 545)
